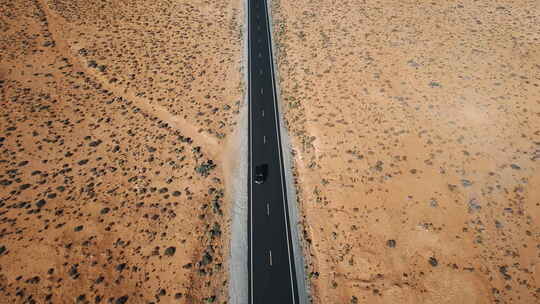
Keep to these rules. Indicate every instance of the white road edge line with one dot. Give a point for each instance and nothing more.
(279, 148)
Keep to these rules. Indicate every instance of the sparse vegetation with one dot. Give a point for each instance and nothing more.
(99, 199)
(204, 169)
(415, 142)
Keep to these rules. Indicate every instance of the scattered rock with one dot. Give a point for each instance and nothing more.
(122, 300)
(170, 251)
(466, 183)
(121, 267)
(515, 167)
(41, 203)
(474, 206)
(504, 271)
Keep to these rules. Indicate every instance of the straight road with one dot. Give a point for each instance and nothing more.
(272, 276)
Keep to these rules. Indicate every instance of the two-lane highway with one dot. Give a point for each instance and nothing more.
(272, 276)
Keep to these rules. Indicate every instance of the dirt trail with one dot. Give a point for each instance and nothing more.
(56, 24)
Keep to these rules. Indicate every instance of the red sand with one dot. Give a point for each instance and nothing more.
(113, 117)
(415, 128)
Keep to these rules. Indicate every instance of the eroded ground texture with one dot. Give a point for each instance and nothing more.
(114, 115)
(416, 135)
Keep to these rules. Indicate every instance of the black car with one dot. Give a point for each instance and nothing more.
(261, 172)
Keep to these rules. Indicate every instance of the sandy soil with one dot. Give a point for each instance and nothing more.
(114, 117)
(416, 135)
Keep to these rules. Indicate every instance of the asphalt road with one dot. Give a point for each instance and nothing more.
(272, 276)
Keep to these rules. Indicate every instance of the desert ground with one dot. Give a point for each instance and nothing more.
(114, 119)
(415, 133)
(415, 129)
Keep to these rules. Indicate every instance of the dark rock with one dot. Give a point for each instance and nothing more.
(33, 280)
(216, 230)
(504, 271)
(206, 259)
(120, 267)
(474, 206)
(170, 251)
(41, 203)
(95, 143)
(122, 300)
(74, 271)
(466, 183)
